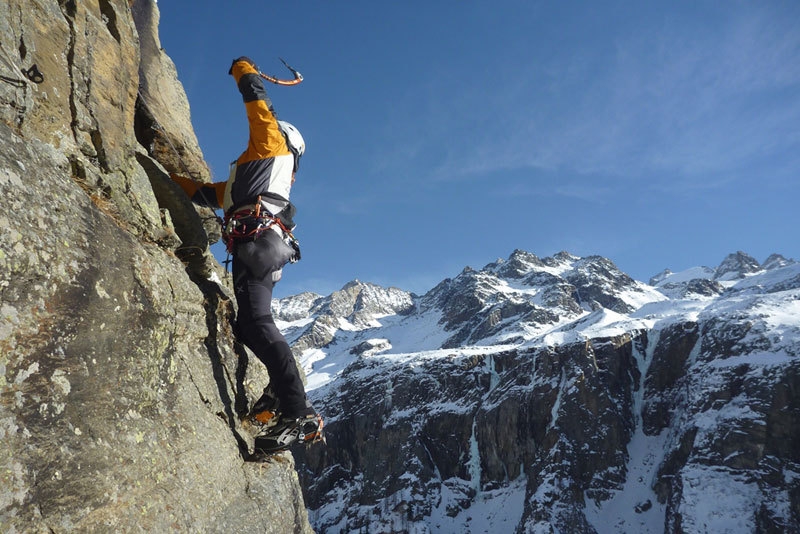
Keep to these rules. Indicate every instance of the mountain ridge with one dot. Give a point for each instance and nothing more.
(562, 283)
(568, 392)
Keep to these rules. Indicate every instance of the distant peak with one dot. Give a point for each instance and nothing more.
(776, 261)
(519, 263)
(522, 254)
(565, 256)
(355, 282)
(736, 266)
(663, 275)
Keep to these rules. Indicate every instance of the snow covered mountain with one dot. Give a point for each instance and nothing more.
(557, 395)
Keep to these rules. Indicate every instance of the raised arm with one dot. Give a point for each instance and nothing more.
(266, 139)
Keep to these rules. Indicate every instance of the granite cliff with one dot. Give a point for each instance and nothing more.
(120, 381)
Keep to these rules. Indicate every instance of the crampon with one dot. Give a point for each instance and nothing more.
(288, 432)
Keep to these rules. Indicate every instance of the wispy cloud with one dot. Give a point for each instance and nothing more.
(677, 100)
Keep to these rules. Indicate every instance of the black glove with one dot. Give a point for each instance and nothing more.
(286, 215)
(296, 246)
(243, 58)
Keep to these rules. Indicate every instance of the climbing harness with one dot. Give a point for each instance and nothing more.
(249, 222)
(274, 79)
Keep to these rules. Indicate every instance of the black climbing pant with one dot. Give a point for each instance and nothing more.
(253, 284)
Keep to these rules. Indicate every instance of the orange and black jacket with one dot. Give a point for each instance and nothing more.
(265, 169)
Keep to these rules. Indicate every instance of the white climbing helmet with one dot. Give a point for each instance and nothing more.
(293, 138)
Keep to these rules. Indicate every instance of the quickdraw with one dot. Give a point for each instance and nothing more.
(274, 79)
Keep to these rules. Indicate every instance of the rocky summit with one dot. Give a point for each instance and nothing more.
(558, 395)
(121, 384)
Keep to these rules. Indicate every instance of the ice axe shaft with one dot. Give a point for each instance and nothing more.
(274, 79)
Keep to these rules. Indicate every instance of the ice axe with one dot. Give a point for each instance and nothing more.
(274, 79)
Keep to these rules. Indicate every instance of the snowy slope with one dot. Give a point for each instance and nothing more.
(508, 303)
(478, 407)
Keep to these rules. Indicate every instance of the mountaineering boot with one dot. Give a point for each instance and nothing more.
(265, 412)
(288, 431)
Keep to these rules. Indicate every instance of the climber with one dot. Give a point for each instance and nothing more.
(258, 232)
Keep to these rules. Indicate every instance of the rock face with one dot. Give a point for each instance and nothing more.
(163, 120)
(559, 395)
(120, 381)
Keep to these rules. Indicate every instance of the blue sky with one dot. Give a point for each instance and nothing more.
(446, 133)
